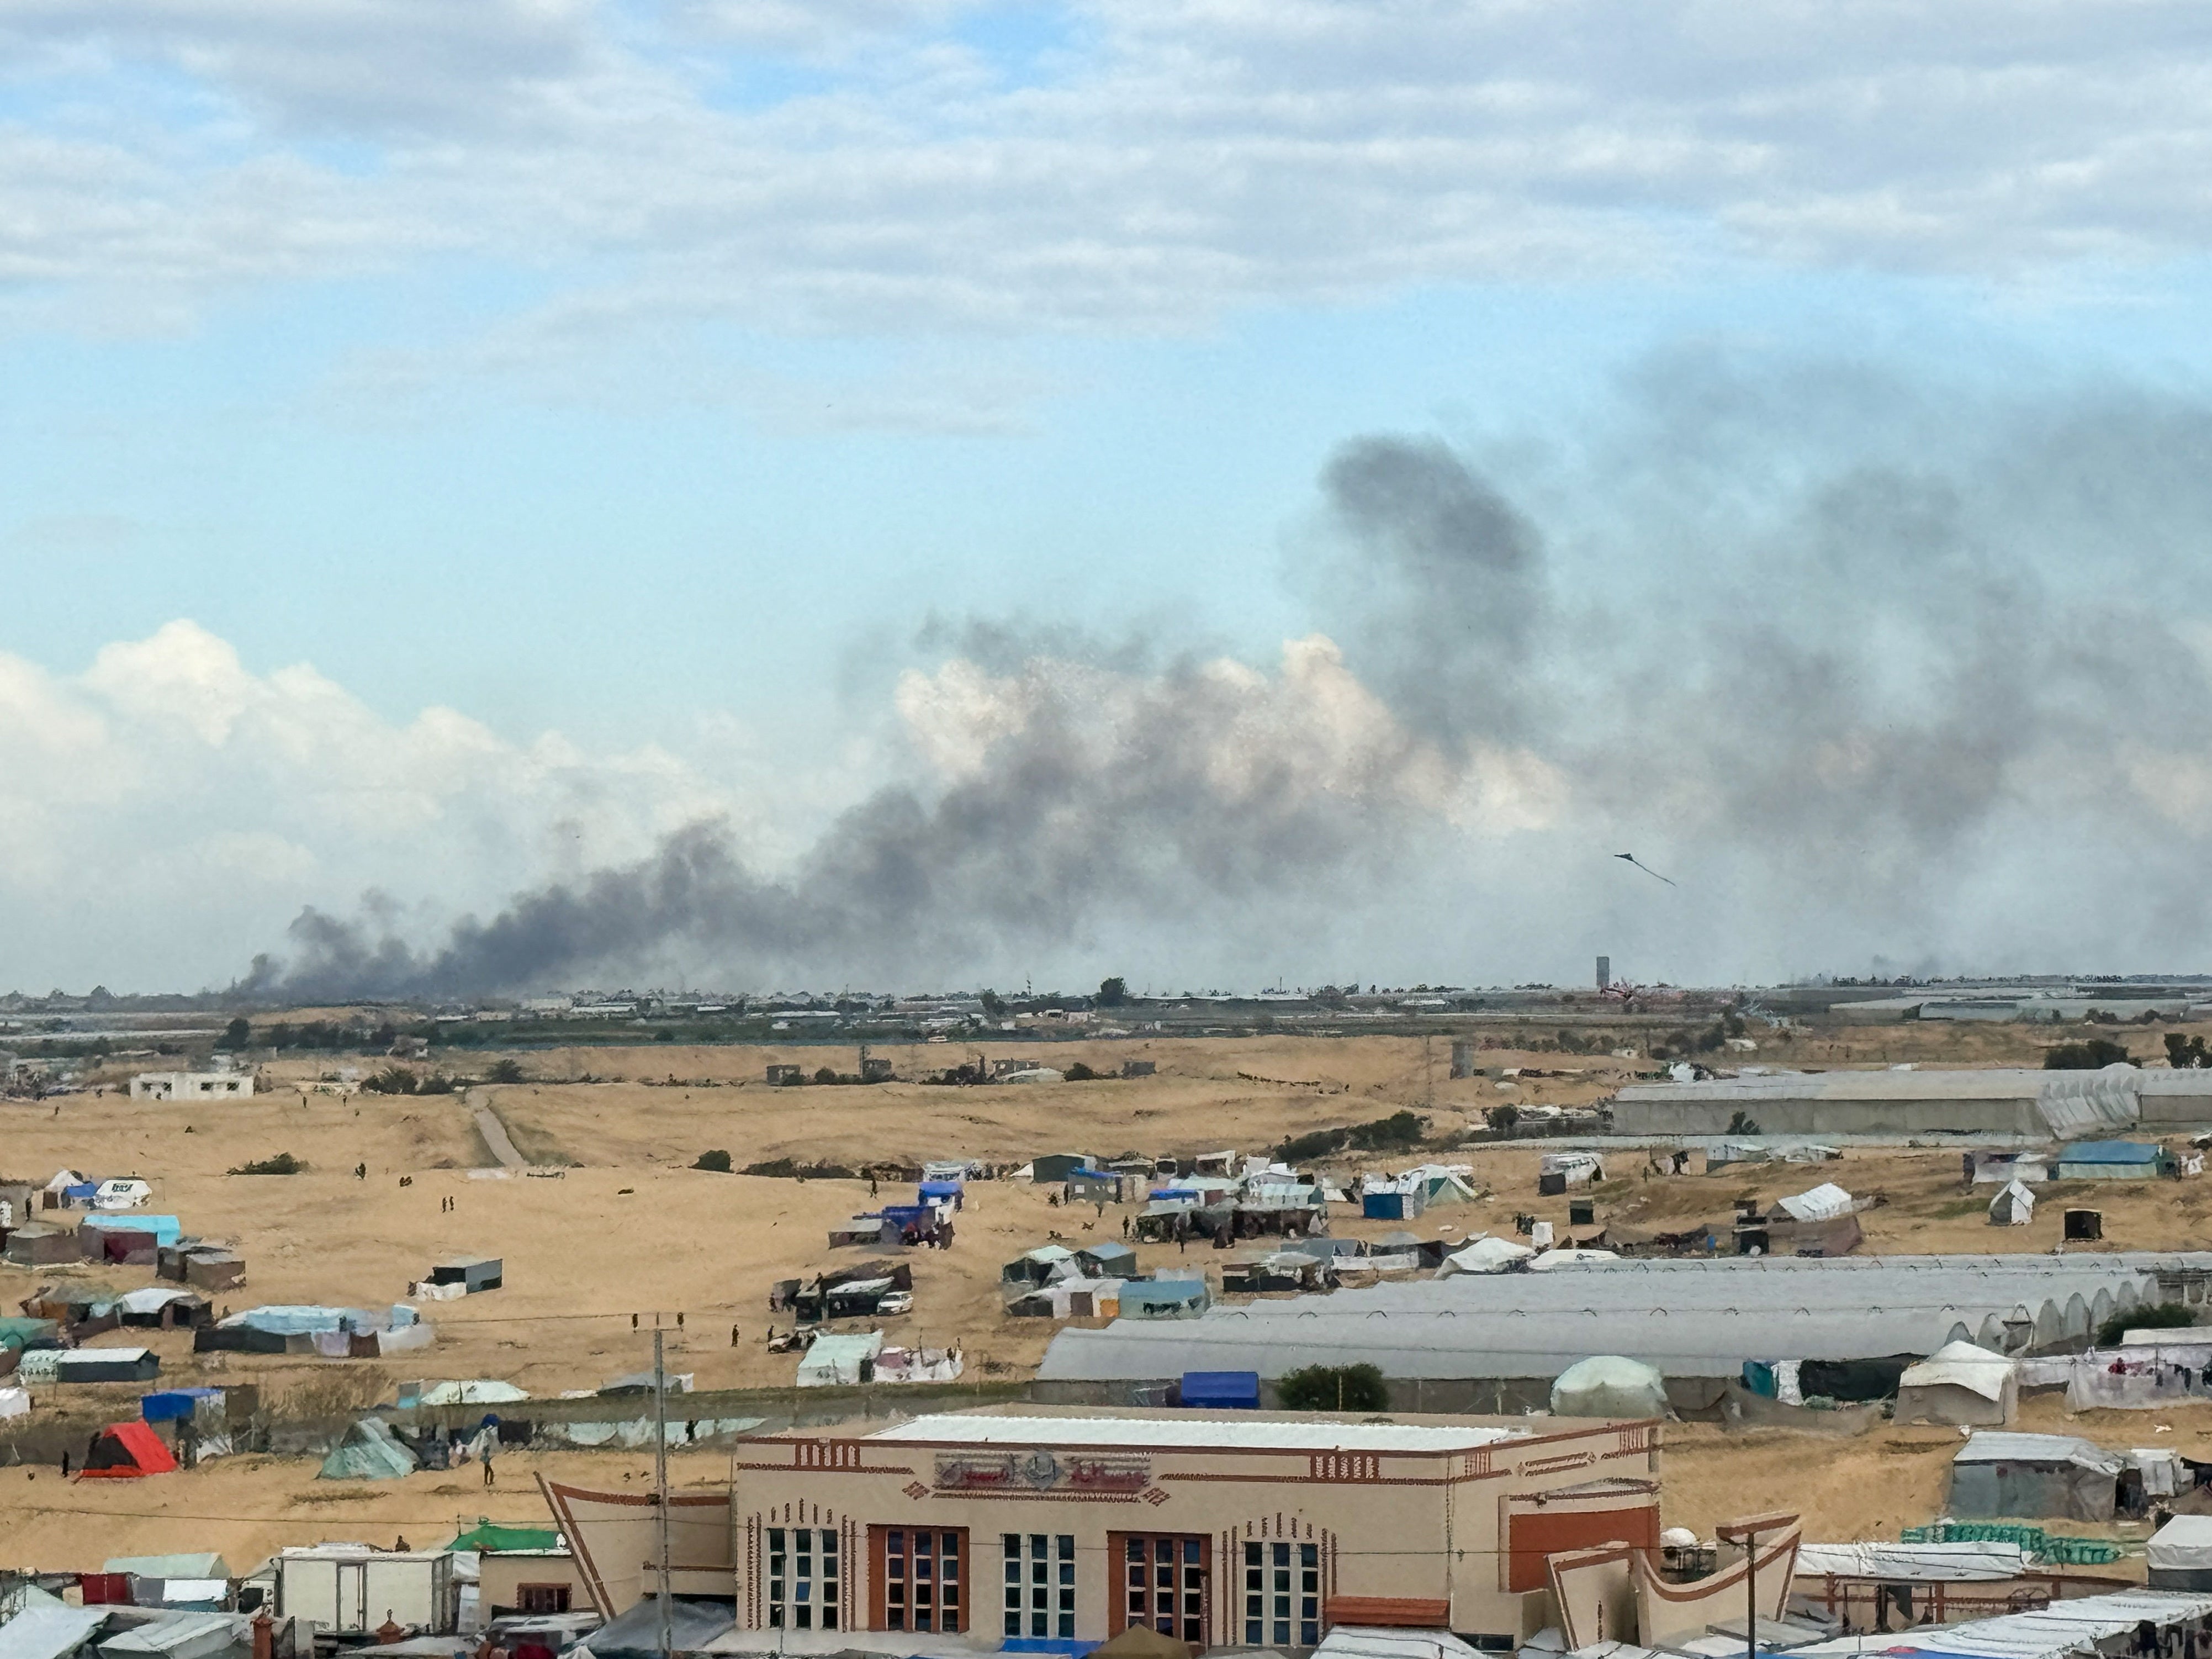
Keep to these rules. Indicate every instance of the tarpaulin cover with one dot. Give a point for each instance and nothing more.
(1823, 1203)
(1229, 1390)
(491, 1535)
(2182, 1545)
(1926, 1564)
(1485, 1255)
(172, 1403)
(1961, 1364)
(370, 1452)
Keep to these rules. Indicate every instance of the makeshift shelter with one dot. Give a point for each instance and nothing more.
(1165, 1298)
(1039, 1266)
(833, 1360)
(108, 1365)
(940, 1192)
(1960, 1385)
(1606, 1385)
(127, 1451)
(868, 1230)
(1110, 1259)
(2014, 1206)
(472, 1273)
(124, 1192)
(1393, 1201)
(1051, 1169)
(2109, 1160)
(163, 1310)
(1999, 1167)
(41, 1245)
(370, 1452)
(1484, 1255)
(2180, 1554)
(2030, 1476)
(1557, 1171)
(477, 1391)
(1094, 1187)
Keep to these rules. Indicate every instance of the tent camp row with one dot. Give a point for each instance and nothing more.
(332, 1332)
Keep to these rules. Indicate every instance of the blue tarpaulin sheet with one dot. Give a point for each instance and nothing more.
(1222, 1390)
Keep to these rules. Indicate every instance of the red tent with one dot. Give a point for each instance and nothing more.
(124, 1451)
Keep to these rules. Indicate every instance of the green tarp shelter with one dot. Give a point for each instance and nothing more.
(370, 1452)
(491, 1535)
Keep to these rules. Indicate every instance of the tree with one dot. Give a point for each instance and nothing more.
(1503, 1118)
(2185, 1054)
(392, 1080)
(504, 1071)
(994, 1006)
(1079, 1072)
(1113, 992)
(238, 1034)
(826, 1074)
(1334, 1389)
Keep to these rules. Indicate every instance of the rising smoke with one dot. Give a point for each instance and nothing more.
(1870, 670)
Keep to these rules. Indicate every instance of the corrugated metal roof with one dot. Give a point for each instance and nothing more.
(2061, 1628)
(2003, 1446)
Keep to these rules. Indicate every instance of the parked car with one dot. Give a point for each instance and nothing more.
(895, 1302)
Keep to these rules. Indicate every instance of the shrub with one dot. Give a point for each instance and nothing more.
(2167, 1316)
(827, 1074)
(1400, 1131)
(1316, 1142)
(504, 1071)
(1503, 1117)
(283, 1163)
(789, 1169)
(1079, 1072)
(392, 1080)
(2185, 1053)
(2091, 1054)
(1334, 1389)
(437, 1084)
(717, 1161)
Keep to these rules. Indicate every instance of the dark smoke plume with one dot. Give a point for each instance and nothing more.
(1865, 668)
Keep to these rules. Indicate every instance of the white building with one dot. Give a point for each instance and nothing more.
(191, 1085)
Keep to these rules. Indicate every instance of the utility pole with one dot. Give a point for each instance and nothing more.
(1745, 1532)
(660, 1486)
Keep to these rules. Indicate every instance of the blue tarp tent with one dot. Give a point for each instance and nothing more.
(935, 1191)
(172, 1404)
(1222, 1390)
(1387, 1206)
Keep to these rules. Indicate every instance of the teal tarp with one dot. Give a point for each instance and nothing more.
(370, 1452)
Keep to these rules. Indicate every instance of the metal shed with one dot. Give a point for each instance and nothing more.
(478, 1272)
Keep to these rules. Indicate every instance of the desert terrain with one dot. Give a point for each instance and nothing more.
(611, 1221)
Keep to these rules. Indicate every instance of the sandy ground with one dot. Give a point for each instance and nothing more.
(626, 1227)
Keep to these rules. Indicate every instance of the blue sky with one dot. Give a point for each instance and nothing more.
(636, 381)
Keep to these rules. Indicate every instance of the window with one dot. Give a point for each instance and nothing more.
(1163, 1584)
(1282, 1593)
(1039, 1585)
(803, 1580)
(919, 1574)
(537, 1600)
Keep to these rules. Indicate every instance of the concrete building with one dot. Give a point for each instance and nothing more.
(1042, 1530)
(191, 1085)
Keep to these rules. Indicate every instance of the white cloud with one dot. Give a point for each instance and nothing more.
(881, 165)
(164, 814)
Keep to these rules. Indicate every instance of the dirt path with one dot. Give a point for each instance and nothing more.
(495, 1137)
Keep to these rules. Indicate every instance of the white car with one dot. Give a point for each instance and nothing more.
(895, 1302)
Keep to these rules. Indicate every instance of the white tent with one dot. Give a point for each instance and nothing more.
(1484, 1254)
(1959, 1383)
(1553, 1260)
(123, 1193)
(2180, 1553)
(1606, 1385)
(2014, 1205)
(1823, 1203)
(63, 1180)
(474, 1391)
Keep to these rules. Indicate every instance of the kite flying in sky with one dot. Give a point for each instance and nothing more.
(1630, 858)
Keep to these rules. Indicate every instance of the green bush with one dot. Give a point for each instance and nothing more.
(1334, 1389)
(392, 1080)
(717, 1161)
(1316, 1143)
(504, 1071)
(1400, 1131)
(283, 1163)
(2167, 1316)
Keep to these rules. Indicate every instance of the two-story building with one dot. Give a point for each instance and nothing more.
(1050, 1529)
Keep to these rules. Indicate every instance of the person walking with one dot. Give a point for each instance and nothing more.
(489, 1479)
